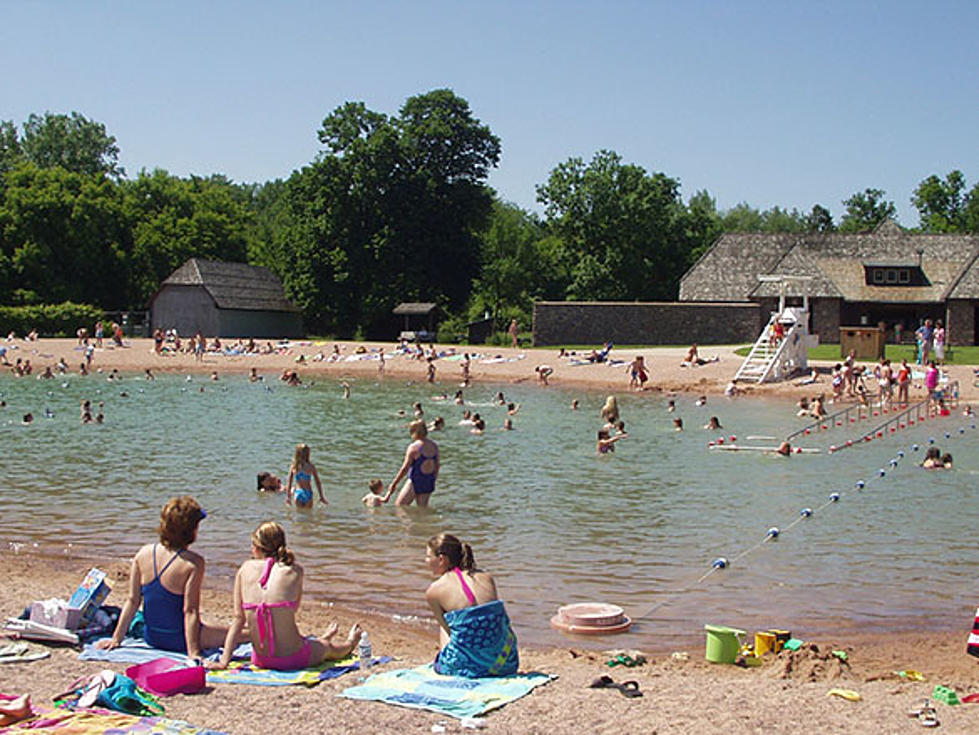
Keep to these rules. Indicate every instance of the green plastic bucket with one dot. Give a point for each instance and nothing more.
(723, 645)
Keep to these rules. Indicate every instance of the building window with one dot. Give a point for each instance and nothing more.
(891, 275)
(904, 276)
(878, 275)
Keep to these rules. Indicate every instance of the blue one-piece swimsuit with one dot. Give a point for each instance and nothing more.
(163, 612)
(423, 483)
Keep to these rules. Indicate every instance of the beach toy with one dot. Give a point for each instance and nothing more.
(764, 642)
(723, 644)
(781, 637)
(847, 694)
(793, 644)
(166, 677)
(591, 618)
(945, 694)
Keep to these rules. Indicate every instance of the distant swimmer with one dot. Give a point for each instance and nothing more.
(785, 449)
(507, 424)
(610, 411)
(467, 419)
(574, 404)
(302, 473)
(713, 423)
(606, 443)
(346, 389)
(678, 424)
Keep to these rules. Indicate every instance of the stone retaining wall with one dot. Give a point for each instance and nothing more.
(646, 323)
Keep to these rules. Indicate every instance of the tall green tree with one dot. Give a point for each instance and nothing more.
(62, 237)
(72, 142)
(390, 211)
(622, 228)
(819, 219)
(865, 210)
(941, 204)
(173, 219)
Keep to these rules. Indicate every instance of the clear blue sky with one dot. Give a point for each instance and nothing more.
(777, 103)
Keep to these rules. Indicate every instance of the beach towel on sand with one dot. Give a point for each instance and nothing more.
(138, 651)
(88, 721)
(482, 642)
(422, 688)
(243, 672)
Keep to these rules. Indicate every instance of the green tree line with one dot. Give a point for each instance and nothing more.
(394, 208)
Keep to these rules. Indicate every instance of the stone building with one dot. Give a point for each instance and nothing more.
(888, 275)
(224, 300)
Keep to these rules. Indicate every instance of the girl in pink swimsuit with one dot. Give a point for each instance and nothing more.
(268, 590)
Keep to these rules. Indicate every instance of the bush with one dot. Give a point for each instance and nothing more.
(451, 330)
(50, 320)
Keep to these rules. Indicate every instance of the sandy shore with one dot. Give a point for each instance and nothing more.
(788, 694)
(493, 365)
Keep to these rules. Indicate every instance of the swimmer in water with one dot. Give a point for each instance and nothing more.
(784, 449)
(702, 401)
(606, 443)
(374, 498)
(933, 459)
(437, 425)
(512, 408)
(574, 404)
(610, 411)
(500, 400)
(671, 406)
(303, 472)
(459, 399)
(678, 424)
(268, 483)
(346, 389)
(467, 419)
(713, 423)
(479, 426)
(507, 424)
(253, 376)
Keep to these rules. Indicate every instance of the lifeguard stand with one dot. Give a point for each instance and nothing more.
(774, 358)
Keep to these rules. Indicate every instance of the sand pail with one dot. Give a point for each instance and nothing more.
(764, 642)
(722, 644)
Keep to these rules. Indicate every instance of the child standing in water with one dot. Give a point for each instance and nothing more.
(303, 472)
(374, 498)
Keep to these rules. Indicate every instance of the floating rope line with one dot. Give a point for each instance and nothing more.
(805, 514)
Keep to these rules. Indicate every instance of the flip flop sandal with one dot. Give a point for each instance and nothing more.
(916, 711)
(602, 682)
(629, 689)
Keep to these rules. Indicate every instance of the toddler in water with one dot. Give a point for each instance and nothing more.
(373, 499)
(303, 472)
(606, 443)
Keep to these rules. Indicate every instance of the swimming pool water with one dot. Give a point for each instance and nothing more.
(554, 522)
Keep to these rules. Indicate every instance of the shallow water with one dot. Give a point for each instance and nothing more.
(554, 522)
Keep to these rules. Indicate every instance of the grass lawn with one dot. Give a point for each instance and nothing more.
(967, 355)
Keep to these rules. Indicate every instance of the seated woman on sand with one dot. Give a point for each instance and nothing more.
(166, 577)
(268, 589)
(475, 637)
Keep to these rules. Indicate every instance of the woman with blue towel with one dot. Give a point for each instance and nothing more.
(476, 639)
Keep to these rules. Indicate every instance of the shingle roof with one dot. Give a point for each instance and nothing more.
(415, 308)
(731, 266)
(836, 263)
(234, 285)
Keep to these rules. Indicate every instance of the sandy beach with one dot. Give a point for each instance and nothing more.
(682, 694)
(491, 365)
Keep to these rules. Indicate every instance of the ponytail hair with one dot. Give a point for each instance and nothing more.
(270, 539)
(458, 554)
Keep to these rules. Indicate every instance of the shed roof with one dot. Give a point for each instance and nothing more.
(415, 308)
(234, 285)
(836, 262)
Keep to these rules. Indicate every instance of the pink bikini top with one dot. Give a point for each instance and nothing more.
(465, 587)
(263, 610)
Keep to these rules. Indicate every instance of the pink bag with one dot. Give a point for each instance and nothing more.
(166, 677)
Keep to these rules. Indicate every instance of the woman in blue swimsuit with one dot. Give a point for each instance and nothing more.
(421, 465)
(166, 578)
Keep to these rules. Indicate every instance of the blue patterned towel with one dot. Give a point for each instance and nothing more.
(422, 688)
(482, 643)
